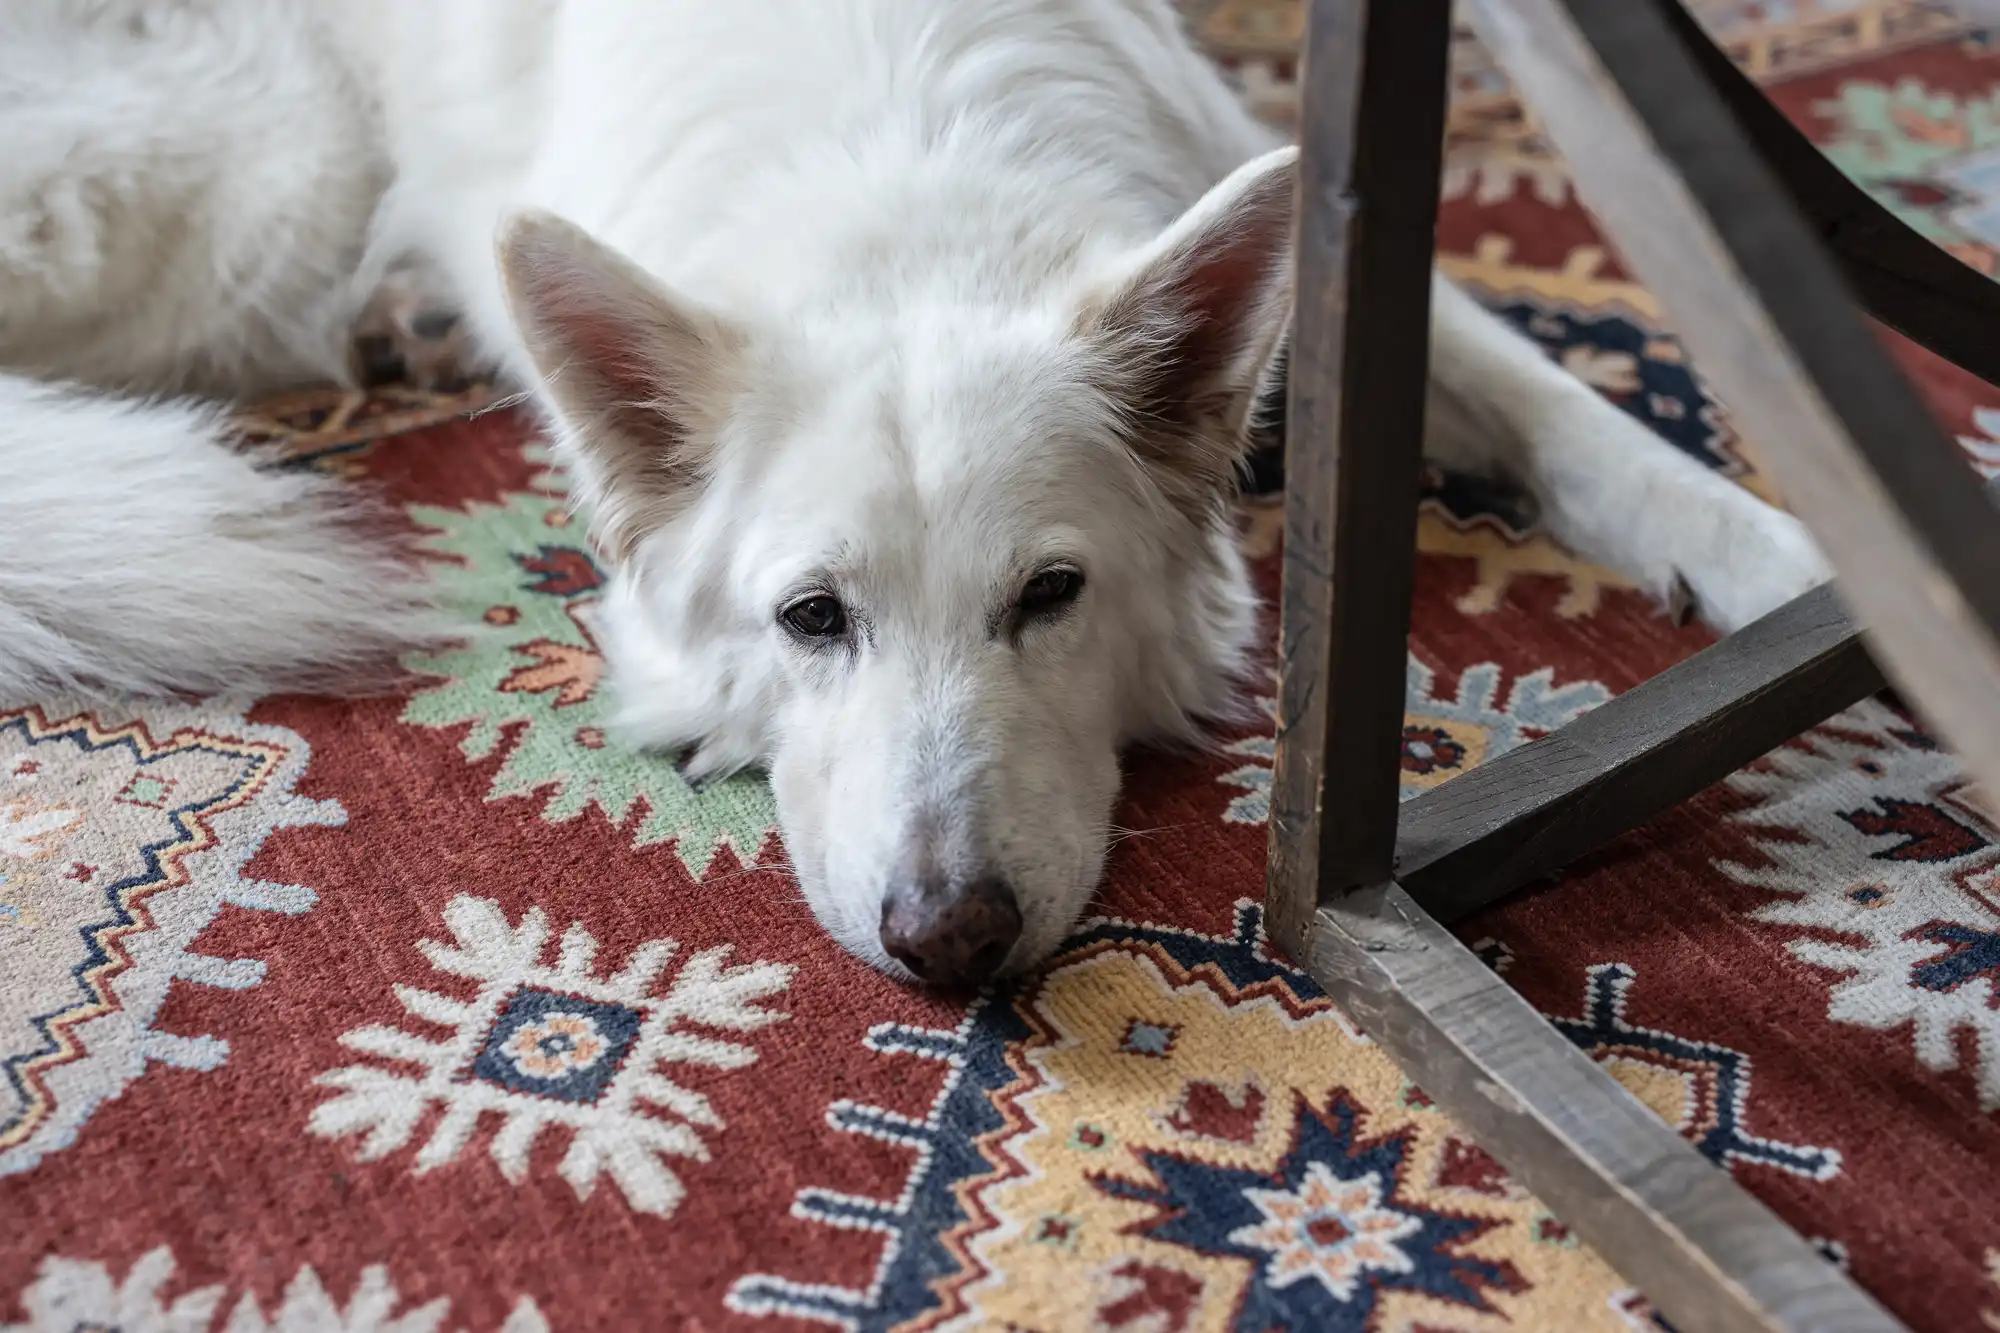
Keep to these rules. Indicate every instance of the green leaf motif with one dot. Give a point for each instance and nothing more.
(1927, 156)
(531, 687)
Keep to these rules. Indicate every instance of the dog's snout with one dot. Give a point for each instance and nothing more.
(951, 934)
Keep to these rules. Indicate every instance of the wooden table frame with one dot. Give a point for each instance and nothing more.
(1762, 251)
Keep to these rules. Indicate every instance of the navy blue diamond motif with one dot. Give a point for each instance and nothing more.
(549, 1044)
(1325, 1234)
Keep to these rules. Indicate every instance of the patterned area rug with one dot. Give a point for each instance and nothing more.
(447, 1011)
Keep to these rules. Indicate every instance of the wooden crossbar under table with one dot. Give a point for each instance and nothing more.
(1766, 257)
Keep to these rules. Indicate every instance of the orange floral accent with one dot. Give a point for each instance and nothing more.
(572, 670)
(1929, 129)
(559, 1044)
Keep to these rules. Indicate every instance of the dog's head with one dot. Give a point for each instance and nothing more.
(932, 568)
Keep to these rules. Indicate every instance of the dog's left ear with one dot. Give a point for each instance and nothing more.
(1185, 336)
(637, 377)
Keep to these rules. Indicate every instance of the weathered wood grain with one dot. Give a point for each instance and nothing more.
(1372, 140)
(1765, 311)
(1532, 811)
(1708, 1254)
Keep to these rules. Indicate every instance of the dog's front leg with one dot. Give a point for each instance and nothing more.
(1607, 487)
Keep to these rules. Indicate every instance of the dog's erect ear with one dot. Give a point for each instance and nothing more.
(636, 377)
(1186, 334)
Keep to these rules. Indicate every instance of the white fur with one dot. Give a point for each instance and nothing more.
(827, 312)
(136, 548)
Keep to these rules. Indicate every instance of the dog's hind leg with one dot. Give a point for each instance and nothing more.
(1606, 487)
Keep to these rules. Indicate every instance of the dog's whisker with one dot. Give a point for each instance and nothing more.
(748, 871)
(1118, 835)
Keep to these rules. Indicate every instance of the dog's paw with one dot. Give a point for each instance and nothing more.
(409, 334)
(1753, 558)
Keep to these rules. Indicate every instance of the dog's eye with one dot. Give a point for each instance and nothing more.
(817, 617)
(1051, 590)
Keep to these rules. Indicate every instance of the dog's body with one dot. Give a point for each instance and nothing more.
(906, 417)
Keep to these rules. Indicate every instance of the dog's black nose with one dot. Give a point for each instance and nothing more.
(951, 934)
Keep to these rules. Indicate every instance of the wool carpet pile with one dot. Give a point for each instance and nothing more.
(448, 1011)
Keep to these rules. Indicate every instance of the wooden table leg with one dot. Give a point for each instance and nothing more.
(1704, 221)
(1373, 113)
(1710, 1255)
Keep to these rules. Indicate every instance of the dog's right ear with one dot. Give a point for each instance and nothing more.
(637, 378)
(1184, 336)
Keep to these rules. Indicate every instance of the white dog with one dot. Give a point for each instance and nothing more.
(901, 350)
